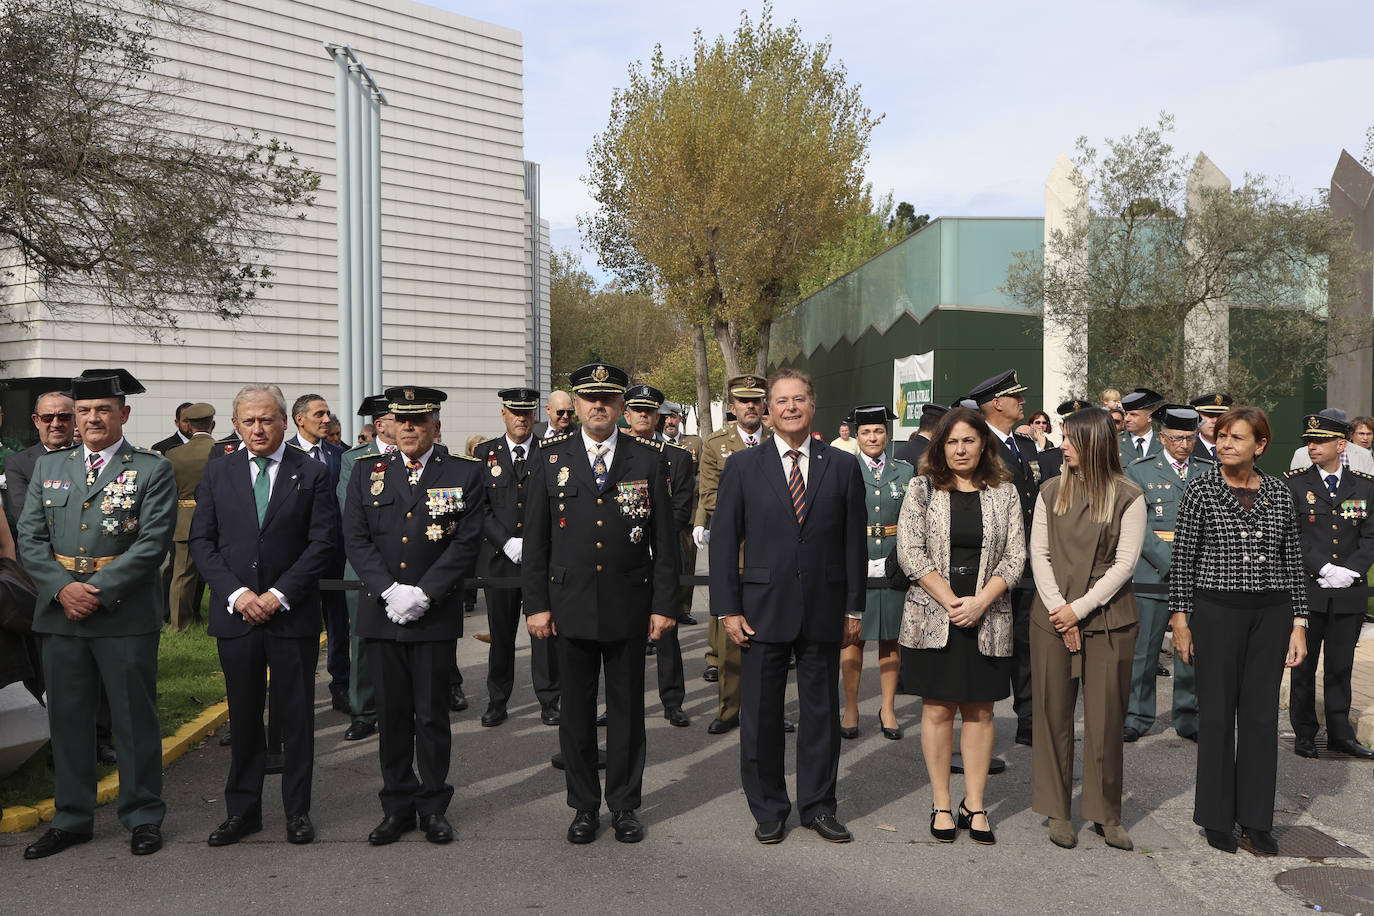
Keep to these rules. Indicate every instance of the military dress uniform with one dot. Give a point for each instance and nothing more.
(1211, 406)
(1140, 399)
(1337, 529)
(1163, 486)
(693, 445)
(723, 654)
(406, 536)
(111, 533)
(601, 557)
(506, 479)
(188, 464)
(886, 488)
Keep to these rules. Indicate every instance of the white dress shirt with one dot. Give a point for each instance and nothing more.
(804, 461)
(106, 455)
(272, 468)
(751, 439)
(526, 445)
(592, 445)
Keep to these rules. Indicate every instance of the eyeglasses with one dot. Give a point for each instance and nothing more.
(1179, 439)
(49, 417)
(1040, 422)
(565, 413)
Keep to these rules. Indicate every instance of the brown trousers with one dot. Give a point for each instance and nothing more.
(729, 660)
(1106, 682)
(185, 584)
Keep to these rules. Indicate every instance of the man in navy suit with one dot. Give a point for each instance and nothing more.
(796, 507)
(310, 413)
(262, 536)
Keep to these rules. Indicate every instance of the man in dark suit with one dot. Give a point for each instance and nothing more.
(1210, 407)
(912, 450)
(180, 436)
(600, 572)
(1003, 404)
(412, 526)
(1336, 522)
(507, 463)
(796, 506)
(54, 416)
(641, 412)
(561, 416)
(262, 535)
(310, 413)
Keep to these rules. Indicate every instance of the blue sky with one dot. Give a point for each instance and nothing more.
(980, 97)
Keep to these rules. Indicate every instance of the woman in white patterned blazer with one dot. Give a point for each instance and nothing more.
(960, 539)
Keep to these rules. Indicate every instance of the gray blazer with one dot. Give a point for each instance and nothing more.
(923, 547)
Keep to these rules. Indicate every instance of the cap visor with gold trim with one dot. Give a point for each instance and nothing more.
(1315, 426)
(746, 387)
(998, 386)
(518, 398)
(598, 378)
(1212, 405)
(645, 397)
(1073, 405)
(413, 400)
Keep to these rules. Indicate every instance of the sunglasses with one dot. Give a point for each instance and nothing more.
(49, 417)
(565, 413)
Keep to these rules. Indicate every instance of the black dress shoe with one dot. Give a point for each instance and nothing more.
(583, 827)
(1305, 747)
(105, 753)
(53, 842)
(649, 648)
(1130, 735)
(437, 828)
(227, 738)
(234, 829)
(494, 715)
(1161, 671)
(1224, 840)
(340, 702)
(1188, 736)
(850, 733)
(359, 730)
(299, 830)
(627, 827)
(771, 832)
(1349, 746)
(458, 702)
(1023, 736)
(675, 715)
(788, 725)
(893, 734)
(687, 620)
(830, 830)
(391, 828)
(1262, 840)
(601, 720)
(711, 674)
(147, 839)
(550, 715)
(721, 726)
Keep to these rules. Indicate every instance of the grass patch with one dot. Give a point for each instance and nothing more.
(188, 680)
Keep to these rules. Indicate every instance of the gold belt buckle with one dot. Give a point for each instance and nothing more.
(84, 565)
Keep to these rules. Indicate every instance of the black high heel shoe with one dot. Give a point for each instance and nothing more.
(1262, 840)
(894, 734)
(849, 734)
(965, 822)
(943, 834)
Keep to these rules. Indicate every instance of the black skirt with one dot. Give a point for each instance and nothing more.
(958, 672)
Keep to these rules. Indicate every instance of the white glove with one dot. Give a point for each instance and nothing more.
(405, 603)
(877, 569)
(701, 537)
(1340, 577)
(514, 548)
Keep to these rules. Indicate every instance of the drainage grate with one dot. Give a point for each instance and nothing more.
(1324, 753)
(1306, 843)
(1332, 890)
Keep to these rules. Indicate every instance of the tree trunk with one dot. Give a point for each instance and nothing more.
(765, 332)
(728, 339)
(703, 373)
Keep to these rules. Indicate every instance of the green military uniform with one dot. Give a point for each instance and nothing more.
(720, 445)
(1140, 399)
(113, 535)
(692, 444)
(362, 695)
(1163, 491)
(188, 464)
(8, 446)
(884, 606)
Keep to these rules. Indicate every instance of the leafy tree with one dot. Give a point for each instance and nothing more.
(107, 197)
(1131, 272)
(905, 215)
(876, 228)
(721, 175)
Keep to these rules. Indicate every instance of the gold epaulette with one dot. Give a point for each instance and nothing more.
(1365, 474)
(1294, 472)
(651, 443)
(559, 438)
(297, 448)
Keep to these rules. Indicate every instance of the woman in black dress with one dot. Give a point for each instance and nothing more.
(956, 625)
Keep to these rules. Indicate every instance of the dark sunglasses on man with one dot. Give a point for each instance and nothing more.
(49, 417)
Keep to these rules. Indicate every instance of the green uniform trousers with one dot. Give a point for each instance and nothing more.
(76, 668)
(1140, 710)
(362, 696)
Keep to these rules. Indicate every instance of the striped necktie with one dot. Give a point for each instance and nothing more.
(796, 485)
(96, 464)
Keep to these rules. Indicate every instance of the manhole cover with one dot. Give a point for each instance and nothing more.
(1323, 752)
(1334, 890)
(1306, 843)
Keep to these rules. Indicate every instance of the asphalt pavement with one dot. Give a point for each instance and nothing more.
(699, 856)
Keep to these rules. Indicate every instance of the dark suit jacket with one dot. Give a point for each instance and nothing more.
(1027, 487)
(911, 451)
(507, 494)
(1201, 451)
(396, 533)
(226, 446)
(677, 471)
(1338, 531)
(797, 579)
(601, 565)
(333, 456)
(18, 471)
(164, 446)
(291, 551)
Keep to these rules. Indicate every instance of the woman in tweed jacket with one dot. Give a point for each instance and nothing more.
(959, 537)
(1238, 595)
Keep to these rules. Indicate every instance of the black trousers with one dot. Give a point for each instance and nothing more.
(579, 665)
(1021, 601)
(505, 623)
(1241, 640)
(672, 688)
(762, 742)
(412, 723)
(1337, 633)
(245, 660)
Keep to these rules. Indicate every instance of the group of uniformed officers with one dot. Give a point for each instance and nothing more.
(583, 527)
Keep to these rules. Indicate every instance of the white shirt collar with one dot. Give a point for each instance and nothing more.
(106, 454)
(526, 445)
(1340, 468)
(784, 448)
(275, 456)
(591, 445)
(423, 459)
(744, 436)
(306, 442)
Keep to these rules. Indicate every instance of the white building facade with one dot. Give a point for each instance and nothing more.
(464, 252)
